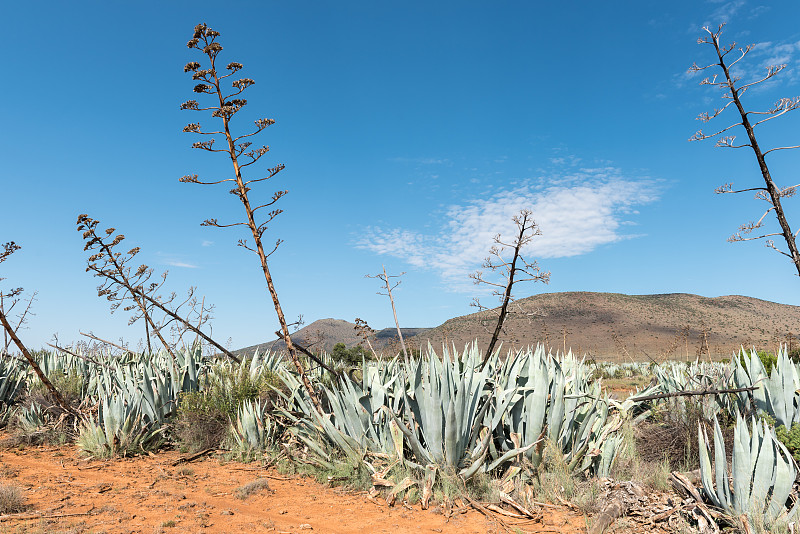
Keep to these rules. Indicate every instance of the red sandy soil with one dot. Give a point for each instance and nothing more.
(68, 493)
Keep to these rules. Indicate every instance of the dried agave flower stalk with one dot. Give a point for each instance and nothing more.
(238, 149)
(121, 283)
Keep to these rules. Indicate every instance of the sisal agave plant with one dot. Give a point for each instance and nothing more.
(252, 431)
(761, 477)
(12, 378)
(554, 399)
(31, 419)
(119, 431)
(444, 413)
(778, 393)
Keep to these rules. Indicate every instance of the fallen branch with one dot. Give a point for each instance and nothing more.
(521, 509)
(482, 509)
(105, 342)
(610, 513)
(191, 457)
(496, 509)
(692, 393)
(684, 487)
(84, 358)
(24, 517)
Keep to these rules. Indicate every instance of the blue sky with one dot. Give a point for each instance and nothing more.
(411, 132)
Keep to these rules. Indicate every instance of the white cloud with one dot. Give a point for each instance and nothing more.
(207, 243)
(576, 214)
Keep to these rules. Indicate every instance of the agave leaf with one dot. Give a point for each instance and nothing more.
(763, 474)
(510, 454)
(742, 465)
(785, 475)
(478, 459)
(416, 447)
(705, 467)
(451, 435)
(723, 490)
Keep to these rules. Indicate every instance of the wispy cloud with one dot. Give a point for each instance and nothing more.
(184, 265)
(207, 243)
(576, 213)
(421, 161)
(724, 12)
(766, 54)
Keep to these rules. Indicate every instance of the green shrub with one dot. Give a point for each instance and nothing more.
(768, 360)
(200, 423)
(72, 386)
(352, 356)
(790, 438)
(203, 416)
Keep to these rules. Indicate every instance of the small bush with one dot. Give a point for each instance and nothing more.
(200, 422)
(257, 485)
(203, 416)
(12, 500)
(352, 356)
(790, 438)
(553, 478)
(767, 359)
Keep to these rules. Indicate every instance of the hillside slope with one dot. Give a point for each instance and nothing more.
(613, 325)
(600, 325)
(325, 333)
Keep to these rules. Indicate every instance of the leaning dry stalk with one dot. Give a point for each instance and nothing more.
(49, 385)
(771, 193)
(120, 283)
(204, 39)
(8, 249)
(113, 269)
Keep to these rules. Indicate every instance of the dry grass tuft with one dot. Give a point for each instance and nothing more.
(12, 500)
(259, 484)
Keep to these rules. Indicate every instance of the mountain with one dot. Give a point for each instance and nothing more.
(599, 325)
(640, 327)
(325, 333)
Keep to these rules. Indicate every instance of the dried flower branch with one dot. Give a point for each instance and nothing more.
(516, 271)
(364, 331)
(120, 284)
(387, 284)
(225, 107)
(771, 193)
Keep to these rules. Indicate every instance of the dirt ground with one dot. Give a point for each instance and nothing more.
(67, 493)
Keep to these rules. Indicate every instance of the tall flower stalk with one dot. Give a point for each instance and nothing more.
(238, 148)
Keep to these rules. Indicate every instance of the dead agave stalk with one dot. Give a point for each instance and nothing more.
(516, 271)
(8, 249)
(237, 148)
(386, 280)
(732, 91)
(120, 283)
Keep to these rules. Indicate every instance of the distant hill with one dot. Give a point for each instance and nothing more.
(600, 325)
(325, 333)
(639, 327)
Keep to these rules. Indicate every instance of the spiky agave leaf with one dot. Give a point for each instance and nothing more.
(762, 476)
